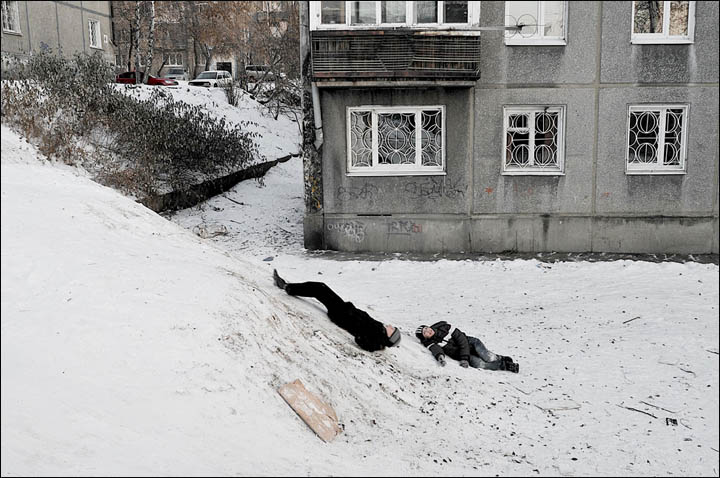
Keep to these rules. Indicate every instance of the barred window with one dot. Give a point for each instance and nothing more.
(663, 22)
(656, 139)
(538, 23)
(396, 140)
(534, 140)
(94, 32)
(10, 17)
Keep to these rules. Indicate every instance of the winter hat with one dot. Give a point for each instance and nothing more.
(395, 337)
(418, 332)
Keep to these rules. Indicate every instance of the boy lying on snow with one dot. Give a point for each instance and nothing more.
(443, 339)
(369, 334)
(440, 338)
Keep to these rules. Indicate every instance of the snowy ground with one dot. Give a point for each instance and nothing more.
(131, 346)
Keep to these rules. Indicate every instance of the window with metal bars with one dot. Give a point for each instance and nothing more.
(534, 140)
(657, 137)
(396, 140)
(94, 33)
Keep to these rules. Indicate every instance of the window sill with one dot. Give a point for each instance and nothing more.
(639, 172)
(96, 47)
(535, 42)
(11, 32)
(661, 41)
(396, 173)
(533, 173)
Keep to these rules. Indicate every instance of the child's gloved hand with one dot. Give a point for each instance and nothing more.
(441, 360)
(464, 363)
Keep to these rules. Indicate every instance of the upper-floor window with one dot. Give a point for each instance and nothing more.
(173, 58)
(663, 22)
(406, 140)
(534, 139)
(94, 31)
(657, 138)
(10, 17)
(538, 23)
(379, 14)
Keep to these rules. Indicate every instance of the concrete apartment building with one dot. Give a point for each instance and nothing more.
(66, 27)
(516, 126)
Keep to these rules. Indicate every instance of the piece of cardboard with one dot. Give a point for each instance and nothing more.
(317, 414)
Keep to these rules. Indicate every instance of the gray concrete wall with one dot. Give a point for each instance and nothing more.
(448, 194)
(594, 205)
(61, 26)
(623, 62)
(513, 65)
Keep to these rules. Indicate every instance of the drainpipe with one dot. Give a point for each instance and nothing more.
(317, 115)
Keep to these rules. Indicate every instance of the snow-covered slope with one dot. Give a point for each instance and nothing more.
(132, 347)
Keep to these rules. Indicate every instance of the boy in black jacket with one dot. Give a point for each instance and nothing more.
(443, 339)
(369, 334)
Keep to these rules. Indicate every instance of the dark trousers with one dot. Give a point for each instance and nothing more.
(481, 357)
(319, 291)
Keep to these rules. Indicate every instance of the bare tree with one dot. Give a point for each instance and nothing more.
(151, 42)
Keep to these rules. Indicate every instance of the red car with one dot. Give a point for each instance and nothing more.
(129, 78)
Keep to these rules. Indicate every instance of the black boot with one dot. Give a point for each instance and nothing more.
(507, 360)
(512, 367)
(279, 280)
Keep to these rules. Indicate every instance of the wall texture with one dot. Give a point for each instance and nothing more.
(60, 26)
(594, 205)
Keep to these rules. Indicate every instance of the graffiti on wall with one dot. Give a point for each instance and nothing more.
(436, 188)
(353, 230)
(404, 227)
(367, 191)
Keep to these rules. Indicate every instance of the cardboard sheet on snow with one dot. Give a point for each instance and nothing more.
(317, 414)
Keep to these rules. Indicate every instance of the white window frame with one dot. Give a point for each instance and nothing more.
(658, 167)
(539, 39)
(410, 20)
(173, 56)
(11, 17)
(395, 169)
(664, 37)
(98, 33)
(531, 170)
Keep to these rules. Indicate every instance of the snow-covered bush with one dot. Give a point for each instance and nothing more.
(71, 108)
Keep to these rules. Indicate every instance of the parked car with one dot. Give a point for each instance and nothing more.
(176, 74)
(256, 72)
(154, 80)
(129, 78)
(212, 78)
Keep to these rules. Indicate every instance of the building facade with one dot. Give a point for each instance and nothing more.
(64, 27)
(516, 126)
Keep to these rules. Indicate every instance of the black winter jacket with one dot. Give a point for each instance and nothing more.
(369, 334)
(457, 346)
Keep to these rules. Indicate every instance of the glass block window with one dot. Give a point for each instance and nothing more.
(663, 22)
(539, 23)
(396, 140)
(534, 140)
(10, 17)
(656, 139)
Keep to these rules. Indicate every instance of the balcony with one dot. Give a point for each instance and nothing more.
(394, 55)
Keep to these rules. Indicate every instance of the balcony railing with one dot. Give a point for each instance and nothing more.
(395, 54)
